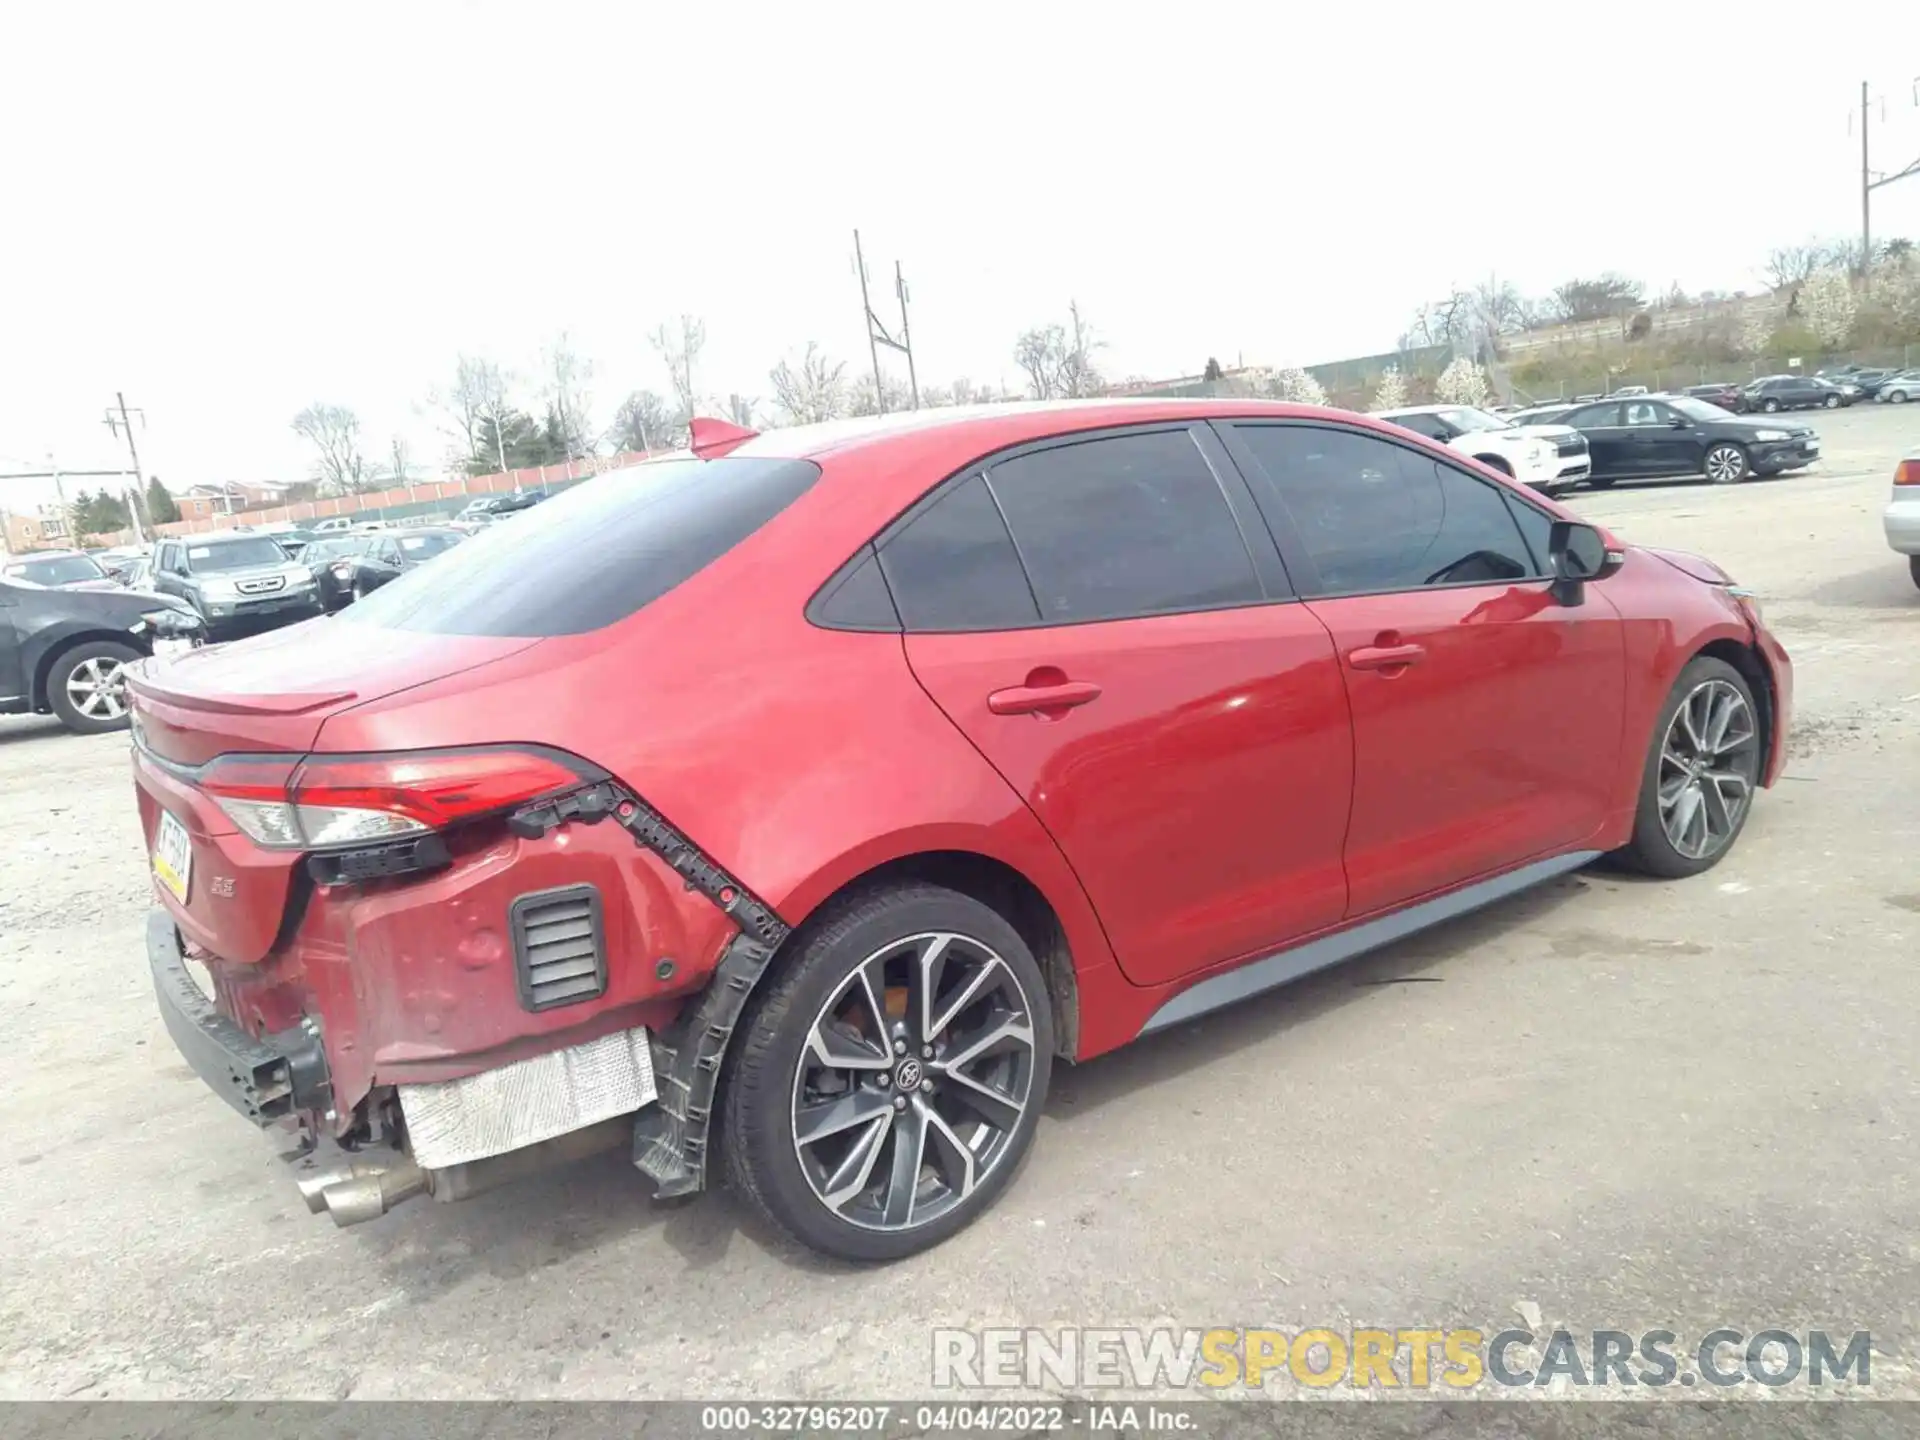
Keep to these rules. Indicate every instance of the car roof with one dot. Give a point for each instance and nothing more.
(982, 429)
(22, 558)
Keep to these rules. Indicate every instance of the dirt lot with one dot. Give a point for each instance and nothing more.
(1630, 1105)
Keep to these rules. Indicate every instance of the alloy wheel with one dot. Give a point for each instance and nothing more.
(97, 688)
(1709, 762)
(913, 1081)
(1726, 464)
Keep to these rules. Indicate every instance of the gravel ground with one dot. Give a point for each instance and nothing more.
(1618, 1105)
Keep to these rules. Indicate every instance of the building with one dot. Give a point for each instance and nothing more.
(203, 502)
(44, 529)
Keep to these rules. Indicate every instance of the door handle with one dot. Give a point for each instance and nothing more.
(1386, 657)
(1038, 699)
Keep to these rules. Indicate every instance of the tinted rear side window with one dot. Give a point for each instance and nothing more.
(1130, 525)
(592, 555)
(953, 567)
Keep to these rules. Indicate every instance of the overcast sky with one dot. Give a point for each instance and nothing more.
(231, 211)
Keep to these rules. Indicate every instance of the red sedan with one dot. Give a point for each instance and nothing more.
(788, 809)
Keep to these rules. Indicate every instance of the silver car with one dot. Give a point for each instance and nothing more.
(1903, 512)
(1898, 389)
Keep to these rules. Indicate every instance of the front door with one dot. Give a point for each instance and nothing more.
(1659, 440)
(1486, 715)
(1106, 620)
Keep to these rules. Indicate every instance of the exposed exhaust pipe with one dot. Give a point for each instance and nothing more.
(366, 1189)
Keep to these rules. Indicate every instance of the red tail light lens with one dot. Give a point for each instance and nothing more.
(1908, 473)
(286, 802)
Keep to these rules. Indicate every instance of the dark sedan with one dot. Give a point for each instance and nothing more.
(396, 552)
(331, 560)
(1679, 435)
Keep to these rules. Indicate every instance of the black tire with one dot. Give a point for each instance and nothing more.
(1602, 482)
(765, 1078)
(63, 701)
(1913, 568)
(1652, 851)
(1832, 402)
(1770, 405)
(1496, 462)
(1731, 468)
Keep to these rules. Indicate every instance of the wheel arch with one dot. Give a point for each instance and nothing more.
(1754, 670)
(42, 670)
(1002, 888)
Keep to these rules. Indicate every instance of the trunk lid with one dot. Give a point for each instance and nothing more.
(274, 691)
(270, 694)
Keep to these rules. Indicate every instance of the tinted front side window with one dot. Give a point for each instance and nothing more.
(953, 567)
(1129, 525)
(1593, 416)
(592, 555)
(1375, 517)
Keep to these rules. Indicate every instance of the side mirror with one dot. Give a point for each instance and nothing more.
(1576, 553)
(1679, 422)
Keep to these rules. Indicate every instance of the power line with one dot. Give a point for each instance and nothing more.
(1867, 183)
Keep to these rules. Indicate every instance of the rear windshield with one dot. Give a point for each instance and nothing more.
(592, 555)
(234, 555)
(57, 570)
(421, 546)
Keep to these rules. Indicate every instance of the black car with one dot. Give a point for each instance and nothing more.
(396, 552)
(239, 584)
(1679, 435)
(1796, 392)
(330, 560)
(517, 500)
(1725, 394)
(65, 652)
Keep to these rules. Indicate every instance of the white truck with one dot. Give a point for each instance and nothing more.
(1552, 459)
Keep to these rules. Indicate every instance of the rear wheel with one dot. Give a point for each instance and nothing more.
(1701, 772)
(1898, 397)
(1726, 464)
(892, 1074)
(87, 687)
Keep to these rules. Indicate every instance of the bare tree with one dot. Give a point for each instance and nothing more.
(646, 422)
(567, 374)
(472, 410)
(740, 410)
(1058, 359)
(811, 391)
(339, 467)
(399, 459)
(1604, 297)
(863, 399)
(679, 346)
(1791, 266)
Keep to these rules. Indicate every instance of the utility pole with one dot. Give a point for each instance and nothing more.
(139, 481)
(1868, 184)
(877, 333)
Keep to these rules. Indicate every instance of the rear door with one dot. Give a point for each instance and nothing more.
(1607, 438)
(1106, 619)
(1486, 716)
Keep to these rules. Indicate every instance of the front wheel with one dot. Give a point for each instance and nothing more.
(891, 1076)
(1913, 568)
(1701, 772)
(1602, 482)
(1726, 464)
(1771, 406)
(87, 688)
(1832, 402)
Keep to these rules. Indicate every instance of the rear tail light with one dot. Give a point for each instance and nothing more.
(1908, 473)
(290, 802)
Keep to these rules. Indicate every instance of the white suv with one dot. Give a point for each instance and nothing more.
(1550, 458)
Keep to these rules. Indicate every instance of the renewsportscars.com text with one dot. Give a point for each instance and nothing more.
(1449, 1358)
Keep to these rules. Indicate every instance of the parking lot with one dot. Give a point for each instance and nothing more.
(1608, 1103)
